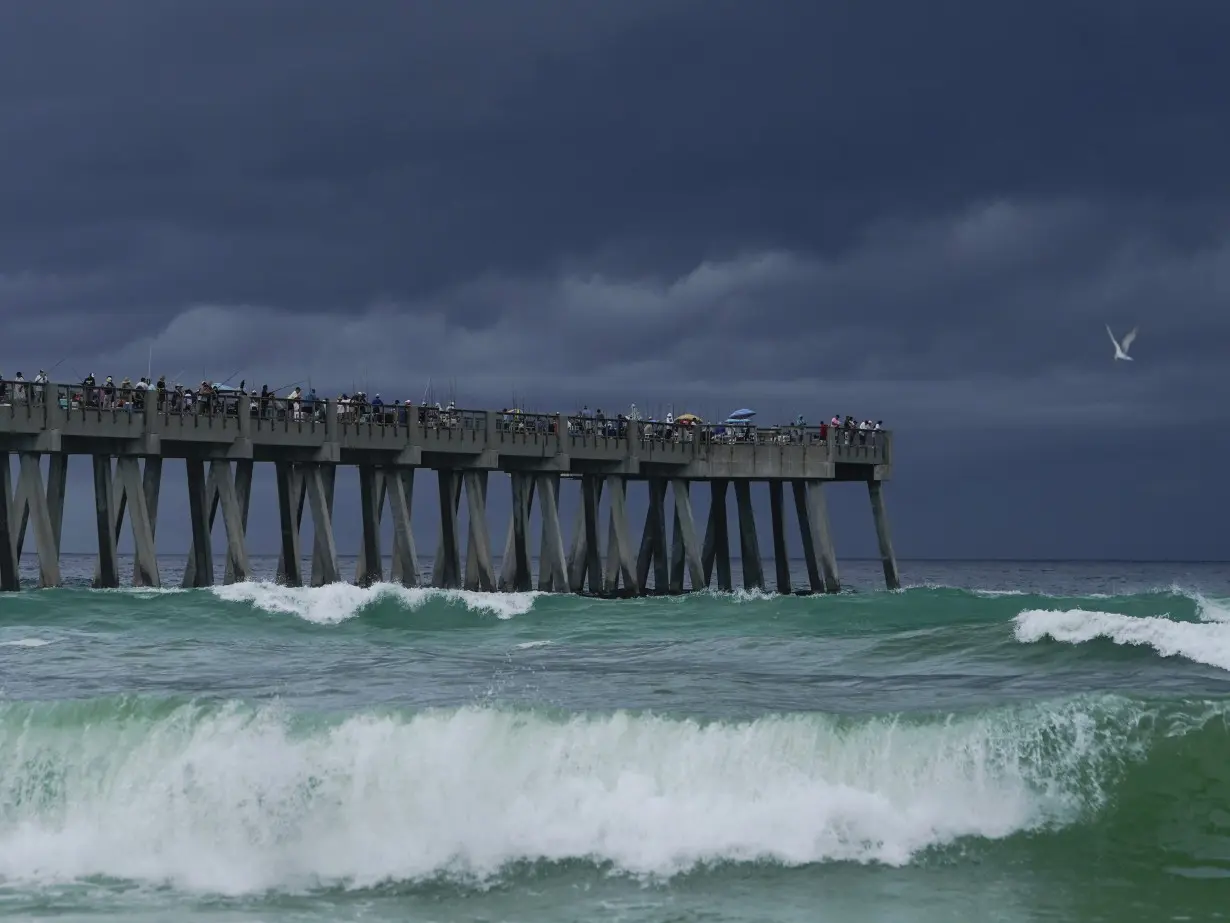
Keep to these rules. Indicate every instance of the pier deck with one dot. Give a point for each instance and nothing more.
(128, 443)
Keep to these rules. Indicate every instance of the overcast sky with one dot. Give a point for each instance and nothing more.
(917, 212)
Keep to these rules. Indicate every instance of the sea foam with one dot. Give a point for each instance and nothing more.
(228, 799)
(337, 602)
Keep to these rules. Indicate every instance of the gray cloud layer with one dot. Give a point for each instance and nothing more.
(918, 212)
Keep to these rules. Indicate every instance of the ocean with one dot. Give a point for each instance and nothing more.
(997, 742)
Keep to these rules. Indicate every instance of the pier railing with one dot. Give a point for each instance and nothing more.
(115, 412)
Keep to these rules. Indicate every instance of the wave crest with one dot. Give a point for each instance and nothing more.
(1206, 642)
(338, 602)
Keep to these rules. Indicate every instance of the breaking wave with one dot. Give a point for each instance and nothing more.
(231, 798)
(1205, 640)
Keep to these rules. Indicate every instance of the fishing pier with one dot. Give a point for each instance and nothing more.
(221, 440)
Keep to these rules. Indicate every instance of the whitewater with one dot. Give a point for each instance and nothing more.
(982, 744)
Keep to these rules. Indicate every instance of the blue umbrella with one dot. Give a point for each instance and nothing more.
(742, 414)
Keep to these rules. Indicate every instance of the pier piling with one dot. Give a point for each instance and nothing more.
(480, 573)
(104, 504)
(446, 570)
(749, 546)
(717, 538)
(780, 560)
(685, 530)
(400, 484)
(891, 578)
(552, 564)
(9, 575)
(290, 510)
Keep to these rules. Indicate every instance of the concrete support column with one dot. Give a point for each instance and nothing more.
(815, 570)
(817, 540)
(31, 501)
(104, 500)
(363, 575)
(370, 504)
(546, 576)
(675, 583)
(892, 579)
(552, 565)
(780, 558)
(211, 488)
(653, 541)
(522, 488)
(717, 538)
(57, 485)
(145, 558)
(198, 502)
(577, 549)
(446, 570)
(238, 566)
(620, 563)
(238, 488)
(685, 537)
(151, 485)
(119, 507)
(9, 576)
(40, 518)
(753, 570)
(591, 491)
(297, 497)
(508, 563)
(400, 483)
(243, 497)
(290, 567)
(320, 487)
(19, 517)
(580, 561)
(480, 572)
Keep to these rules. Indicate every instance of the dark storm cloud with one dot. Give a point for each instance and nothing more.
(915, 211)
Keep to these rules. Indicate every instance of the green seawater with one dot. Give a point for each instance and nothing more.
(1010, 742)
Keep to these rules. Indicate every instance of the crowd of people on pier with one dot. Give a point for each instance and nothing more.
(305, 405)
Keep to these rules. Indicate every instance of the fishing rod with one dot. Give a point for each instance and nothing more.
(290, 384)
(230, 376)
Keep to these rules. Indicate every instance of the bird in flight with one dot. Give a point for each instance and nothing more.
(1122, 347)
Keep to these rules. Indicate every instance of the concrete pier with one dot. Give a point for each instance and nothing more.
(221, 441)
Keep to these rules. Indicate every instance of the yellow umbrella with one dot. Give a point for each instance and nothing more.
(688, 418)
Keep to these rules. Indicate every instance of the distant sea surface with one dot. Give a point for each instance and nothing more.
(999, 741)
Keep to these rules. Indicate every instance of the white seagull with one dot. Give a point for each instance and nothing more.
(1121, 348)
